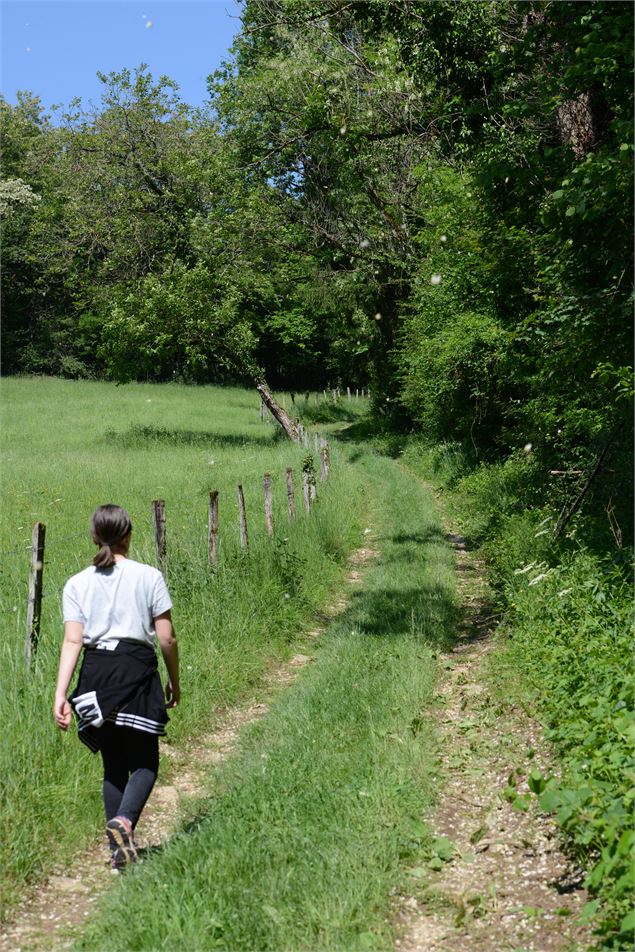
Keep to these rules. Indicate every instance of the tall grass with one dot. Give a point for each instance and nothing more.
(306, 833)
(72, 446)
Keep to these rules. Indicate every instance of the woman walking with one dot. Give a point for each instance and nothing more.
(116, 610)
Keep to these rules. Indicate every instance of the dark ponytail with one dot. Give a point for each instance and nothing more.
(110, 524)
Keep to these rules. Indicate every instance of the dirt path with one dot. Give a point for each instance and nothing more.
(51, 917)
(497, 879)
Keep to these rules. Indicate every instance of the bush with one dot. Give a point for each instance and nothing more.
(569, 634)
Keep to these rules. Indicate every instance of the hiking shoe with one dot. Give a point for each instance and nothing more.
(122, 845)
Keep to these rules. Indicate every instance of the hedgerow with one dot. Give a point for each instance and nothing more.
(570, 634)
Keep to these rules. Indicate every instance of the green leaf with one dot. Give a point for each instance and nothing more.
(444, 848)
(589, 909)
(536, 782)
(549, 801)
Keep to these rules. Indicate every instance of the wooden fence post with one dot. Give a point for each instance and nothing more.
(242, 514)
(334, 393)
(325, 460)
(316, 442)
(357, 393)
(158, 520)
(34, 607)
(306, 492)
(268, 504)
(312, 488)
(348, 393)
(212, 535)
(290, 494)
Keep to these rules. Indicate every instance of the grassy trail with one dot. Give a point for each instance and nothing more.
(304, 838)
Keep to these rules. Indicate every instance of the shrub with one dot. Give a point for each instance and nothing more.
(569, 632)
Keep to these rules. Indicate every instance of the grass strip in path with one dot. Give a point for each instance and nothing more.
(303, 840)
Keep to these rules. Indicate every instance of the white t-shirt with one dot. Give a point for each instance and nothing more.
(115, 604)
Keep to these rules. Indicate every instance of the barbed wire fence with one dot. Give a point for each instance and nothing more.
(309, 480)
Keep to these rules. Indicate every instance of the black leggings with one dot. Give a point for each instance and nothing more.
(131, 764)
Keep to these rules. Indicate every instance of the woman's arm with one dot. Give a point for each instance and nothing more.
(71, 648)
(170, 652)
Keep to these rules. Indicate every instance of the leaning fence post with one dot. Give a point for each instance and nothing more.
(212, 535)
(290, 494)
(316, 442)
(325, 460)
(242, 513)
(158, 520)
(266, 480)
(34, 607)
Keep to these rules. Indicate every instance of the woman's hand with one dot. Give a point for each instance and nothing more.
(172, 694)
(62, 712)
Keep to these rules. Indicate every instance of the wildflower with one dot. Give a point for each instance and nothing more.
(378, 316)
(527, 568)
(528, 447)
(364, 243)
(343, 130)
(565, 591)
(538, 578)
(443, 239)
(435, 279)
(286, 595)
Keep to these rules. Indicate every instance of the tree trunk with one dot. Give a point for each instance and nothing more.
(278, 413)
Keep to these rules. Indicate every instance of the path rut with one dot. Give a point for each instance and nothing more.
(507, 885)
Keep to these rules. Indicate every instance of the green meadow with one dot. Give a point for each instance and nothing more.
(69, 446)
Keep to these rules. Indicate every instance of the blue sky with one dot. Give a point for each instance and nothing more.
(53, 48)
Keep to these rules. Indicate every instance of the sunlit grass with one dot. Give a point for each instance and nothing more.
(71, 446)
